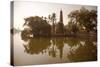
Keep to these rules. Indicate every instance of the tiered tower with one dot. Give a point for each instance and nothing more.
(61, 16)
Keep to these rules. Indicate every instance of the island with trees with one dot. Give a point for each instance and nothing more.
(82, 22)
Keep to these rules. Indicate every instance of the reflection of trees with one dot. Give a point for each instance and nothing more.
(58, 43)
(72, 41)
(52, 51)
(54, 47)
(88, 52)
(24, 34)
(37, 45)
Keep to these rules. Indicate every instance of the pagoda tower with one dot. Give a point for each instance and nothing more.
(61, 16)
(60, 25)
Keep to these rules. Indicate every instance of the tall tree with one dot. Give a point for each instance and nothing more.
(52, 19)
(84, 18)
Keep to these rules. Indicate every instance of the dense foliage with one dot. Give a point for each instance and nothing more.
(38, 26)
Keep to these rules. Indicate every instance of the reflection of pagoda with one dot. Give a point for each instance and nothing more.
(60, 45)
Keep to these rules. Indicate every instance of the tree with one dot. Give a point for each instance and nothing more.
(38, 26)
(72, 27)
(52, 19)
(84, 18)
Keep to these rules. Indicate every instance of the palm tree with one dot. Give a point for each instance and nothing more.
(52, 19)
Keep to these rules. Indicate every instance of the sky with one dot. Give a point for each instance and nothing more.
(23, 9)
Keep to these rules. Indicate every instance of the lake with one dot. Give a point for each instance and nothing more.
(29, 51)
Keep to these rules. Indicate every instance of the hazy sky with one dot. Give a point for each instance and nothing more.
(28, 8)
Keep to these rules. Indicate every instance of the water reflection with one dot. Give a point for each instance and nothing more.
(36, 45)
(80, 49)
(86, 52)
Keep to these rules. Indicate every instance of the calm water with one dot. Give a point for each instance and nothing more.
(53, 50)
